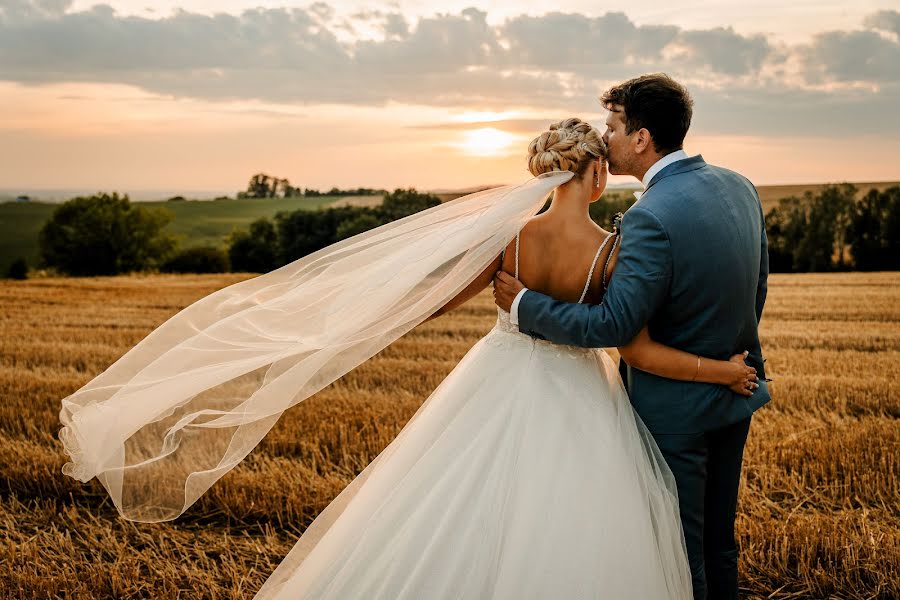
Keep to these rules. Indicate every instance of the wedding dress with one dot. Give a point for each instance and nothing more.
(526, 474)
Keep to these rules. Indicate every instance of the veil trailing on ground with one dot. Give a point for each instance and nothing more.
(193, 398)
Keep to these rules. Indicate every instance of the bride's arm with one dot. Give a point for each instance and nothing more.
(471, 290)
(645, 354)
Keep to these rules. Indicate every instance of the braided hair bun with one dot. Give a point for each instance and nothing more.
(569, 145)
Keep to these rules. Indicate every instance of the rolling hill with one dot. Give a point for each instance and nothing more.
(210, 221)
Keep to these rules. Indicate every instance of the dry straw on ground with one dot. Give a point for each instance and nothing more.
(819, 502)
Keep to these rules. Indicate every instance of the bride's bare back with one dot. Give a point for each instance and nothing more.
(555, 257)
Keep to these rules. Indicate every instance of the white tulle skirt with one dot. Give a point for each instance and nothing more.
(526, 474)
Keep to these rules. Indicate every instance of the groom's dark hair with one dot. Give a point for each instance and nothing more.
(656, 102)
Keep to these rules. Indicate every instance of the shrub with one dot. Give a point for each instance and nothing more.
(356, 225)
(18, 269)
(105, 235)
(198, 259)
(254, 251)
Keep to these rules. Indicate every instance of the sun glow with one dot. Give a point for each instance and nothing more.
(486, 141)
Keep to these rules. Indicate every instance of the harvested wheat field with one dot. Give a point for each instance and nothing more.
(819, 507)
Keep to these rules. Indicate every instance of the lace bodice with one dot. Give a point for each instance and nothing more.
(506, 335)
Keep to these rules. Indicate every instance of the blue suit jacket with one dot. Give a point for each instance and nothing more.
(693, 264)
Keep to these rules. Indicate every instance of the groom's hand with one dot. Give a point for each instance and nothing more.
(506, 288)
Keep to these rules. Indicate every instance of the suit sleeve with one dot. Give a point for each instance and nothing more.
(637, 290)
(762, 285)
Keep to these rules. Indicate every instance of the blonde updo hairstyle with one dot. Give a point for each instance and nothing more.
(569, 145)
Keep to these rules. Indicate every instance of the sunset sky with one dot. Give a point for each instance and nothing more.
(194, 95)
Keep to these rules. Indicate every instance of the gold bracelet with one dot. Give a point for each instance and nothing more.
(698, 369)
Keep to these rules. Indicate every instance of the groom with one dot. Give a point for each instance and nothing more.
(693, 266)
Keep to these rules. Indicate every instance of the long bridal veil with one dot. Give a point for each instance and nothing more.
(193, 398)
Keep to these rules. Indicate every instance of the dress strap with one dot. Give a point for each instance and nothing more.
(503, 255)
(517, 254)
(603, 280)
(587, 284)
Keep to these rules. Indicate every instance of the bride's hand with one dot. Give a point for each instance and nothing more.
(742, 379)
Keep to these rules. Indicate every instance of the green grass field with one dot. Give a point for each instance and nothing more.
(200, 223)
(209, 222)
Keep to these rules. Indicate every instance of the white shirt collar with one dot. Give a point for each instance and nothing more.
(658, 166)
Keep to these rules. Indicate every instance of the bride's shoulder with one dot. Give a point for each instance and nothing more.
(534, 229)
(539, 225)
(540, 228)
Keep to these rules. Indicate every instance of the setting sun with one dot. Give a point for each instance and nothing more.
(486, 141)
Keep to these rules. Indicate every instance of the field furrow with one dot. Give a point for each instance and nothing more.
(819, 499)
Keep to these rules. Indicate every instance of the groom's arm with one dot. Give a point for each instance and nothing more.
(762, 285)
(637, 290)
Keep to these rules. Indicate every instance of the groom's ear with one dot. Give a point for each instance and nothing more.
(643, 141)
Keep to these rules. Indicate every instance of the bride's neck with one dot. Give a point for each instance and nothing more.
(570, 203)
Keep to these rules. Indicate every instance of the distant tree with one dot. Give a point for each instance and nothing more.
(603, 210)
(260, 186)
(401, 203)
(198, 259)
(808, 233)
(18, 269)
(264, 186)
(312, 193)
(305, 231)
(874, 231)
(830, 217)
(782, 224)
(176, 199)
(256, 250)
(105, 235)
(362, 222)
(892, 226)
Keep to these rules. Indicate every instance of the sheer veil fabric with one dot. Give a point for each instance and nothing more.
(186, 404)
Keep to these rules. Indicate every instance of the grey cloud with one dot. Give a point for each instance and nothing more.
(723, 50)
(97, 44)
(322, 11)
(555, 60)
(853, 56)
(885, 20)
(574, 42)
(23, 10)
(395, 25)
(750, 109)
(438, 45)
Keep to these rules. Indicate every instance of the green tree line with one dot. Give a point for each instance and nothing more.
(291, 235)
(105, 234)
(262, 185)
(833, 230)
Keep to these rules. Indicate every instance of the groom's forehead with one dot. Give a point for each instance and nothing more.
(616, 111)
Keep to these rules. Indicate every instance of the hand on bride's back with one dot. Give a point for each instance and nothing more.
(743, 377)
(506, 288)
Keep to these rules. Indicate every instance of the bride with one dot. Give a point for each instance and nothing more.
(525, 474)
